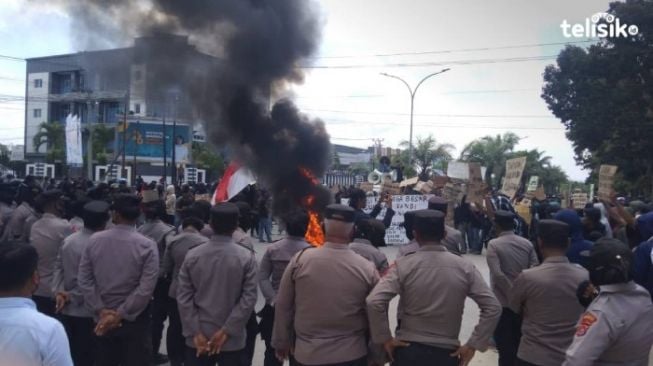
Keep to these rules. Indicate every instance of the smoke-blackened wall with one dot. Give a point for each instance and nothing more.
(260, 44)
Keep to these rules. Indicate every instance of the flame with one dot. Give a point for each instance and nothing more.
(314, 234)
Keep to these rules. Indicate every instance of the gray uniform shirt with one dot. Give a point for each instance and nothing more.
(176, 253)
(364, 248)
(242, 238)
(507, 256)
(321, 300)
(546, 298)
(274, 263)
(433, 285)
(118, 271)
(217, 290)
(47, 236)
(453, 241)
(616, 329)
(406, 249)
(66, 270)
(161, 233)
(15, 228)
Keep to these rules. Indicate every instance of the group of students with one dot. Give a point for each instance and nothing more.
(112, 276)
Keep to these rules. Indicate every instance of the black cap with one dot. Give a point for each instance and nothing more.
(125, 200)
(504, 216)
(428, 219)
(553, 233)
(610, 262)
(97, 207)
(438, 203)
(340, 213)
(225, 210)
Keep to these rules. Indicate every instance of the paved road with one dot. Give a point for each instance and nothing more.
(470, 316)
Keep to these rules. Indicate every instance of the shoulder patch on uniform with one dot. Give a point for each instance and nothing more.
(586, 321)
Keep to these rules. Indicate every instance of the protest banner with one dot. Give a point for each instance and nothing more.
(579, 200)
(512, 179)
(458, 170)
(476, 187)
(532, 183)
(606, 180)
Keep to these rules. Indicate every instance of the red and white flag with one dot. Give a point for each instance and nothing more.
(234, 180)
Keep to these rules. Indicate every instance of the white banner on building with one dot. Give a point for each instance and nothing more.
(73, 141)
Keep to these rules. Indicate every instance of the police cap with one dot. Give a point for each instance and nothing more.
(340, 213)
(438, 203)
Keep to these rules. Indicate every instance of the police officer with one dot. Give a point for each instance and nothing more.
(617, 328)
(117, 276)
(545, 296)
(273, 264)
(453, 241)
(364, 232)
(156, 229)
(422, 279)
(189, 238)
(16, 227)
(321, 299)
(412, 245)
(507, 256)
(77, 318)
(216, 294)
(47, 236)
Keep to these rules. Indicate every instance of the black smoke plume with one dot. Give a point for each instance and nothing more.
(260, 44)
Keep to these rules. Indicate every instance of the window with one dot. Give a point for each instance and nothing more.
(37, 113)
(137, 108)
(38, 83)
(137, 75)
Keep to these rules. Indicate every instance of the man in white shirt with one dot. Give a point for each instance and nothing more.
(27, 337)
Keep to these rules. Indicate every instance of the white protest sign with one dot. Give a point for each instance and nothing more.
(606, 180)
(512, 179)
(532, 183)
(458, 170)
(579, 199)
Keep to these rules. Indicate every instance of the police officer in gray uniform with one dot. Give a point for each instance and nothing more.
(47, 236)
(273, 264)
(16, 230)
(216, 294)
(117, 275)
(412, 245)
(76, 317)
(189, 238)
(320, 307)
(545, 296)
(617, 327)
(454, 239)
(364, 232)
(154, 228)
(507, 256)
(422, 279)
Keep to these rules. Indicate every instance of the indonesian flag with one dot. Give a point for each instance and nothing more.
(234, 180)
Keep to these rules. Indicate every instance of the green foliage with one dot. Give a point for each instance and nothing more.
(206, 158)
(491, 152)
(102, 136)
(603, 96)
(52, 135)
(427, 154)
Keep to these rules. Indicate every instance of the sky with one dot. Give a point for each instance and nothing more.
(490, 88)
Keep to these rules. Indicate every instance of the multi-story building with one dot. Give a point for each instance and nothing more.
(107, 87)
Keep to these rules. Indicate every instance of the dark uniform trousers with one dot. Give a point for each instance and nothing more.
(175, 341)
(265, 326)
(128, 345)
(418, 354)
(82, 339)
(520, 362)
(159, 312)
(359, 362)
(232, 358)
(252, 330)
(507, 336)
(45, 305)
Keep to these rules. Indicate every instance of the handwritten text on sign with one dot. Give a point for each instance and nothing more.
(606, 180)
(512, 180)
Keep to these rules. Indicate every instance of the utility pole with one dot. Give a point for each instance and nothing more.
(165, 155)
(174, 142)
(412, 104)
(124, 136)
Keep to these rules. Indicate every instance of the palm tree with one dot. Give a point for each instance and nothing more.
(428, 152)
(491, 152)
(52, 135)
(102, 136)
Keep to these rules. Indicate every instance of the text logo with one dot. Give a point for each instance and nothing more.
(610, 27)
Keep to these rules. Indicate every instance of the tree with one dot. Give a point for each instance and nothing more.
(204, 157)
(491, 152)
(102, 136)
(537, 164)
(428, 152)
(603, 96)
(52, 135)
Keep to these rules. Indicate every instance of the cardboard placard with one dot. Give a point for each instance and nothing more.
(512, 180)
(440, 181)
(366, 186)
(476, 186)
(452, 192)
(532, 183)
(606, 180)
(392, 188)
(539, 194)
(409, 182)
(579, 200)
(458, 170)
(523, 209)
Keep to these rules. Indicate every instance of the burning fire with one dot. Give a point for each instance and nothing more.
(314, 234)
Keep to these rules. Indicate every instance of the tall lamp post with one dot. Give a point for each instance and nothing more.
(412, 103)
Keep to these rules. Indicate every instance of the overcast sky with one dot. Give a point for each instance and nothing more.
(474, 99)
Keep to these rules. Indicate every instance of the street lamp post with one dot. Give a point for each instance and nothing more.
(412, 103)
